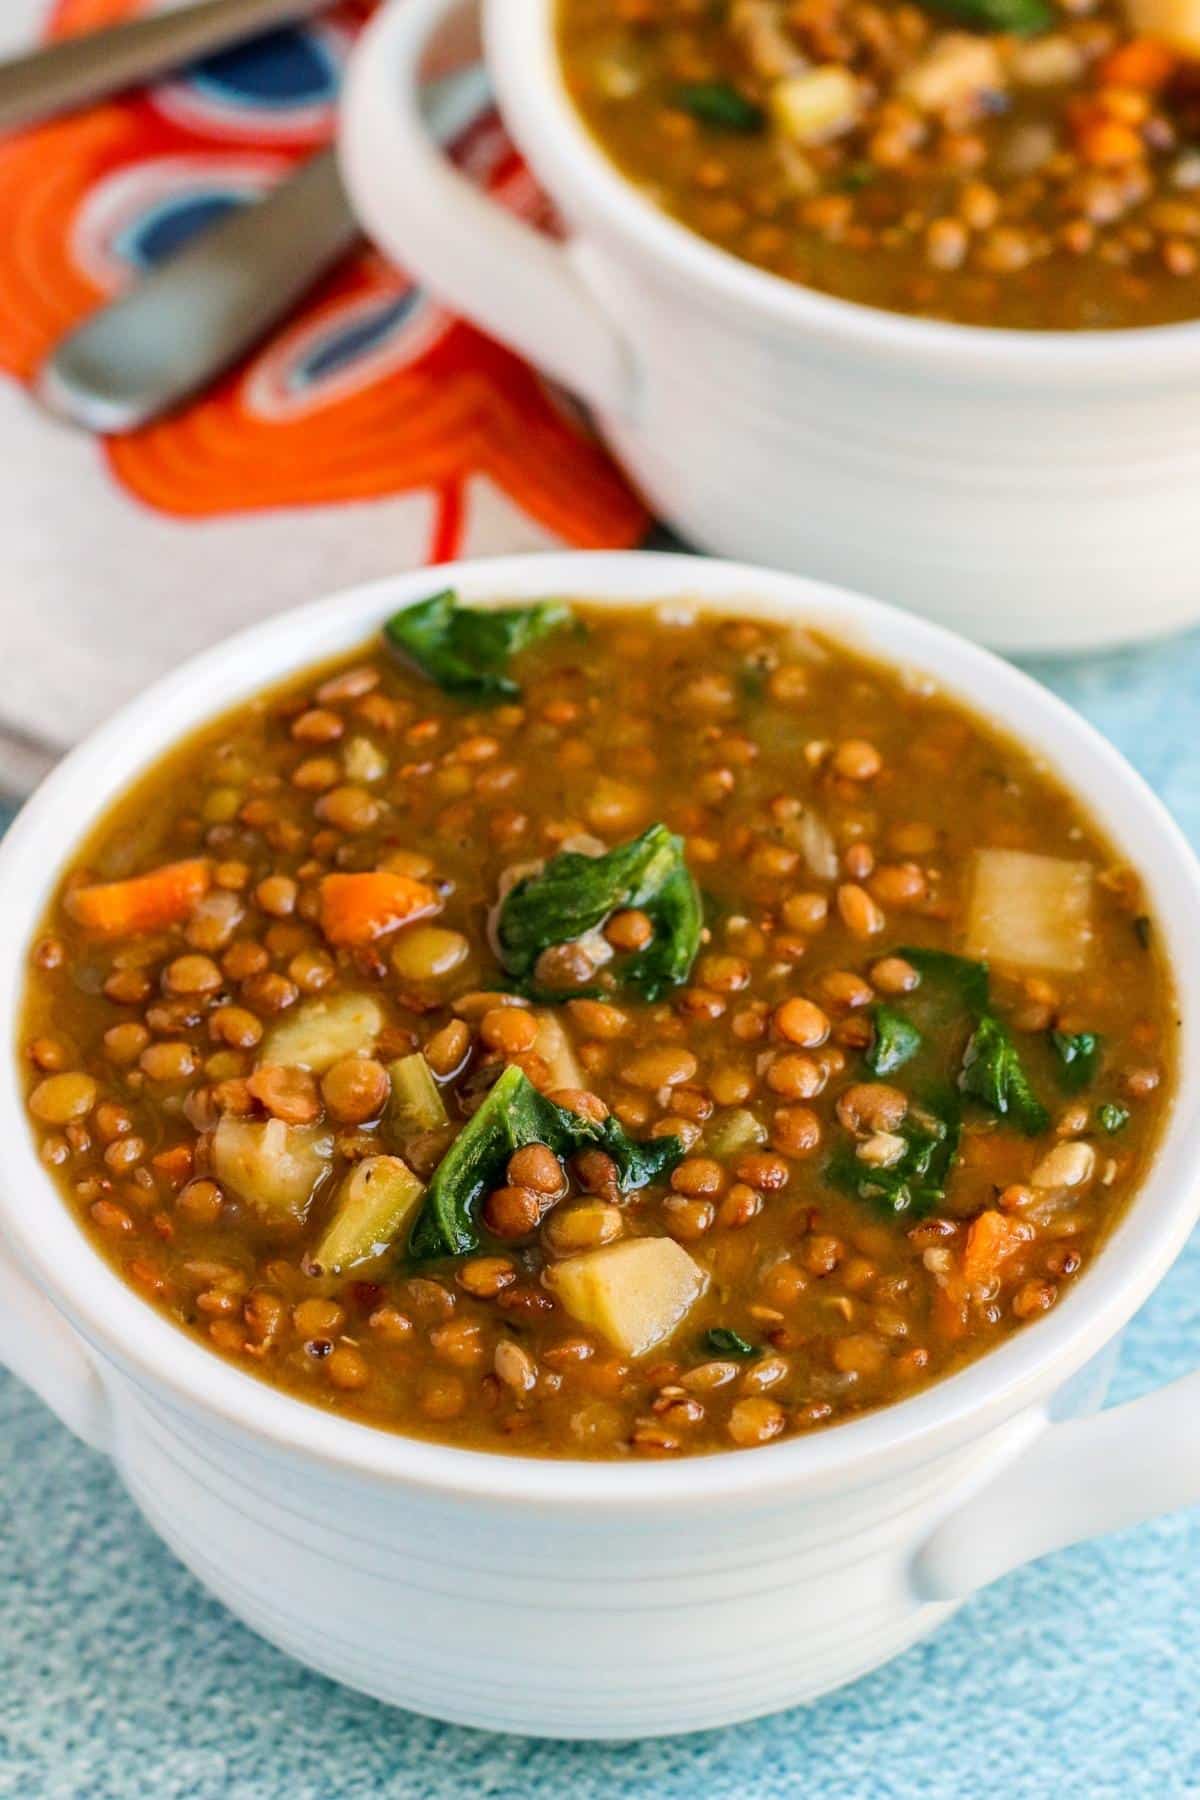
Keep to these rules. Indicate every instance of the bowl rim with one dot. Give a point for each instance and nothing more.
(543, 120)
(168, 1364)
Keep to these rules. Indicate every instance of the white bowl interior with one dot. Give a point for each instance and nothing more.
(158, 1355)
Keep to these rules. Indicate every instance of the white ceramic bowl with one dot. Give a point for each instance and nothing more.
(596, 1599)
(1035, 490)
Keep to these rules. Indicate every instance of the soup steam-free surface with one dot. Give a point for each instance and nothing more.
(600, 1033)
(994, 162)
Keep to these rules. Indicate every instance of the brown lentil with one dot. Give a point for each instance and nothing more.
(894, 159)
(807, 833)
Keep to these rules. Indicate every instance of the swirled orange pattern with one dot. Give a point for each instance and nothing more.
(368, 392)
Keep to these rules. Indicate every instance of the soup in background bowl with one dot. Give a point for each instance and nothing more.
(1033, 488)
(993, 162)
(596, 1031)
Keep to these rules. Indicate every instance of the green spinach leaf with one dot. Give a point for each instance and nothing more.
(471, 1167)
(678, 921)
(1078, 1053)
(992, 1074)
(896, 1041)
(1111, 1118)
(639, 1161)
(724, 1342)
(467, 650)
(992, 1071)
(916, 1182)
(966, 979)
(512, 1115)
(574, 894)
(720, 106)
(1023, 17)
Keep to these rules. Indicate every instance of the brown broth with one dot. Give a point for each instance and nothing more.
(985, 179)
(757, 744)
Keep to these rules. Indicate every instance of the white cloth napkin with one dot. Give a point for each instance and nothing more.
(100, 595)
(101, 592)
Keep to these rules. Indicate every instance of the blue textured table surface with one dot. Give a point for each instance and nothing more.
(1080, 1677)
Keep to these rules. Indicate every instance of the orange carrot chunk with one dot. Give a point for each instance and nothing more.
(165, 896)
(1142, 63)
(950, 1310)
(991, 1240)
(1109, 144)
(174, 1166)
(357, 909)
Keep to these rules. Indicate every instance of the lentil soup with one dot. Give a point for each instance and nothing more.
(1020, 163)
(598, 1031)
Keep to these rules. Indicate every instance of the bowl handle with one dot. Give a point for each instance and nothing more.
(42, 1350)
(1077, 1480)
(515, 283)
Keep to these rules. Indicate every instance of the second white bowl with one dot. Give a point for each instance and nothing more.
(1035, 490)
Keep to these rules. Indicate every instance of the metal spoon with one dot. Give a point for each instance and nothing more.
(190, 320)
(77, 70)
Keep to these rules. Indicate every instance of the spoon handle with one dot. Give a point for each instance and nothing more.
(76, 70)
(188, 321)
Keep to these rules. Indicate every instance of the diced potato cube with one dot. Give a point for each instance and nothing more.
(817, 105)
(1030, 912)
(636, 1294)
(1052, 61)
(1173, 22)
(320, 1032)
(956, 68)
(276, 1167)
(374, 1203)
